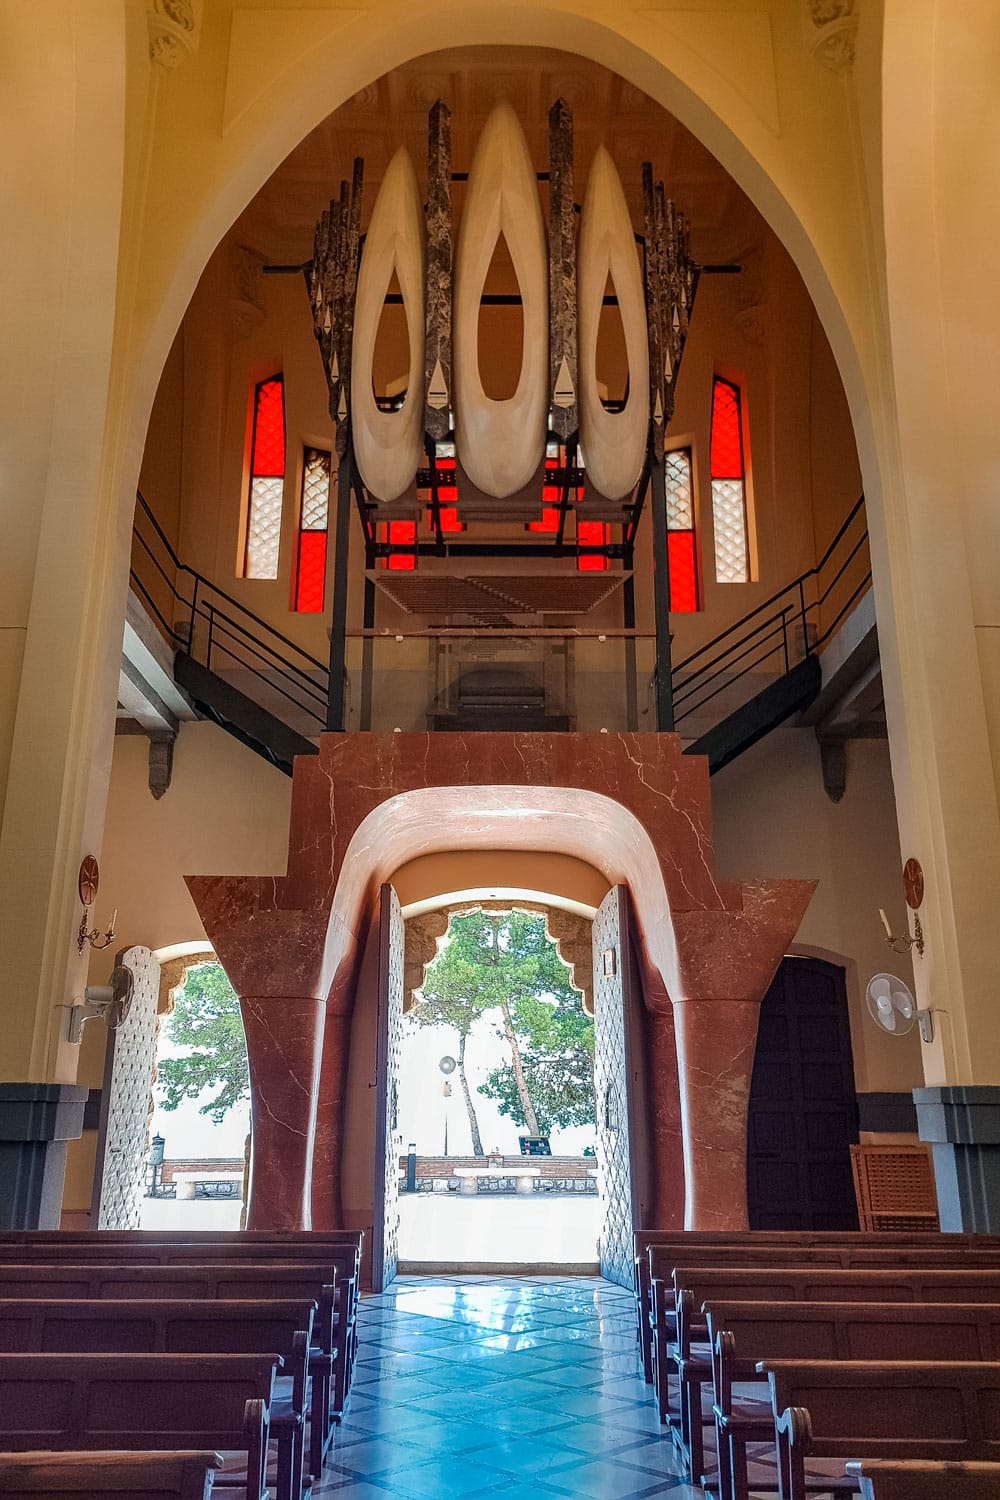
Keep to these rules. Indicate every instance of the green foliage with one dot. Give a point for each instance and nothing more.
(206, 1017)
(506, 967)
(556, 1041)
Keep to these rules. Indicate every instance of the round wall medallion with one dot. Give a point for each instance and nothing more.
(913, 883)
(89, 880)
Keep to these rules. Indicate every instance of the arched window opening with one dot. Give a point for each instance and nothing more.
(729, 497)
(267, 480)
(682, 552)
(309, 589)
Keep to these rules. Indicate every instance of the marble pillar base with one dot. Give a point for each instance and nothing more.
(36, 1121)
(962, 1126)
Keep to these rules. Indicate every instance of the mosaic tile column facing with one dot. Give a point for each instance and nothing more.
(631, 805)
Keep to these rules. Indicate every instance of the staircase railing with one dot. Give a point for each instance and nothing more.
(793, 623)
(220, 633)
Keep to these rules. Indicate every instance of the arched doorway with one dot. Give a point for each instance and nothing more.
(619, 1081)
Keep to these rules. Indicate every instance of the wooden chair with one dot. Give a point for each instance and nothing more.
(827, 1413)
(88, 1402)
(102, 1476)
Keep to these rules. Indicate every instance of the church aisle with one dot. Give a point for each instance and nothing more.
(513, 1386)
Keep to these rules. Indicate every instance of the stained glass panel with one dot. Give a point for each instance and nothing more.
(727, 433)
(398, 534)
(264, 528)
(683, 566)
(315, 489)
(592, 534)
(732, 564)
(311, 573)
(267, 459)
(680, 502)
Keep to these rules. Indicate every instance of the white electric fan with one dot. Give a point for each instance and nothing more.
(890, 1004)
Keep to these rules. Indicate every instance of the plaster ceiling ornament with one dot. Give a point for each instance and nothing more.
(501, 444)
(613, 443)
(245, 302)
(833, 32)
(388, 446)
(174, 31)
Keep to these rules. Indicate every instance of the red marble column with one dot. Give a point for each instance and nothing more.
(663, 1114)
(284, 1043)
(716, 1041)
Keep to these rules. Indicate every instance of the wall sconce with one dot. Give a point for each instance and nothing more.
(88, 884)
(903, 944)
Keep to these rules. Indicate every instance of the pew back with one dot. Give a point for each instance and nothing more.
(140, 1401)
(102, 1476)
(67, 1326)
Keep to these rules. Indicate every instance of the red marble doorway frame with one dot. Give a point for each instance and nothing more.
(632, 805)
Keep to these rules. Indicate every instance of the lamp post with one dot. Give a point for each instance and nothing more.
(447, 1066)
(156, 1146)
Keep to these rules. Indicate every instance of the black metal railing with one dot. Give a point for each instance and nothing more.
(793, 623)
(221, 634)
(218, 631)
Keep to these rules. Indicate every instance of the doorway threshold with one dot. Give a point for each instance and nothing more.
(498, 1268)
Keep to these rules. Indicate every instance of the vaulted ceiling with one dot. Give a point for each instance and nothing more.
(278, 224)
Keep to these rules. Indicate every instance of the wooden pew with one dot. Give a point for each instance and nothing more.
(751, 1239)
(691, 1286)
(234, 1278)
(946, 1411)
(742, 1334)
(922, 1479)
(184, 1327)
(663, 1257)
(342, 1253)
(102, 1476)
(88, 1402)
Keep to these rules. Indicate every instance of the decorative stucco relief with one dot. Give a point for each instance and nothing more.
(246, 303)
(174, 31)
(570, 933)
(833, 28)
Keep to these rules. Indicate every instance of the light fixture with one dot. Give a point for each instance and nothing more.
(903, 943)
(88, 883)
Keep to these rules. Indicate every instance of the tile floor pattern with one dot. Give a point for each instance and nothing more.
(515, 1386)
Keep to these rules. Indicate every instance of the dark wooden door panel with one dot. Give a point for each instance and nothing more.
(803, 1109)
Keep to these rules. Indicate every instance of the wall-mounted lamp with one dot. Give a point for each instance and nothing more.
(903, 943)
(88, 883)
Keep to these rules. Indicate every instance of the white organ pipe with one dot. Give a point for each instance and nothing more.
(501, 443)
(613, 443)
(389, 446)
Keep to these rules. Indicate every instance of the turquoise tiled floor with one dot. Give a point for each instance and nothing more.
(514, 1386)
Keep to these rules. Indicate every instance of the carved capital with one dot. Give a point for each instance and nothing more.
(174, 31)
(833, 27)
(246, 302)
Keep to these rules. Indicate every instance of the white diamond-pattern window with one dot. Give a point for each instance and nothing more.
(264, 528)
(315, 490)
(680, 508)
(729, 492)
(267, 480)
(729, 515)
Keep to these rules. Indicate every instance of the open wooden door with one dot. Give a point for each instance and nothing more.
(126, 1101)
(617, 1085)
(385, 1231)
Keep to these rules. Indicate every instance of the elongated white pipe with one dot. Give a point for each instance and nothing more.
(613, 443)
(501, 443)
(388, 446)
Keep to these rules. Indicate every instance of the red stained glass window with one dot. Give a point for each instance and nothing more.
(727, 431)
(267, 475)
(729, 499)
(592, 534)
(682, 552)
(398, 534)
(309, 584)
